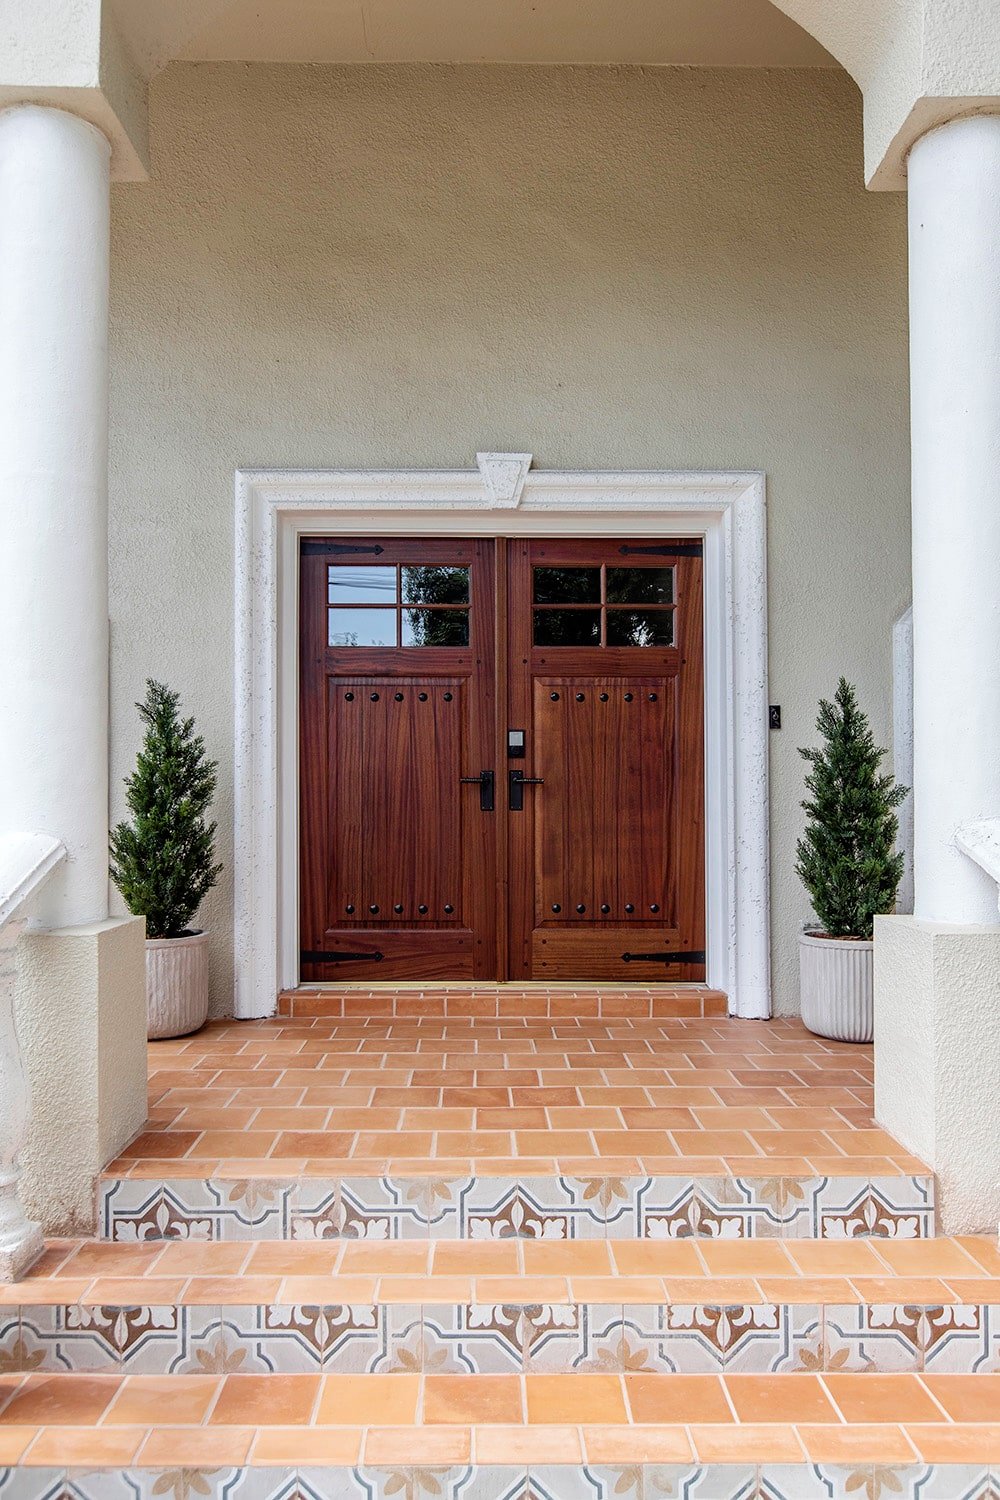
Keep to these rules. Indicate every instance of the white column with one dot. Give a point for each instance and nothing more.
(954, 230)
(54, 233)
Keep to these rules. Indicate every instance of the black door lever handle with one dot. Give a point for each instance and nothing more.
(485, 783)
(516, 782)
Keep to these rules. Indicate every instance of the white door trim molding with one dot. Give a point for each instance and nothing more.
(504, 497)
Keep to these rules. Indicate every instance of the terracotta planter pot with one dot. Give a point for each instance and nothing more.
(176, 984)
(835, 987)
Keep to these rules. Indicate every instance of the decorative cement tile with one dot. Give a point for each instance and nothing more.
(13, 1352)
(955, 1339)
(670, 1208)
(100, 1484)
(212, 1484)
(670, 1338)
(860, 1338)
(674, 1482)
(907, 1206)
(389, 1209)
(475, 1338)
(951, 1482)
(315, 1209)
(880, 1208)
(809, 1482)
(401, 1343)
(585, 1337)
(215, 1346)
(756, 1339)
(401, 1482)
(99, 1340)
(338, 1339)
(134, 1210)
(554, 1208)
(32, 1484)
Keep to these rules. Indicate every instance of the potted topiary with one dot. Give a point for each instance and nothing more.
(162, 861)
(848, 862)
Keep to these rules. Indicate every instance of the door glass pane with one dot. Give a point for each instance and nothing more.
(362, 585)
(362, 627)
(435, 585)
(640, 627)
(640, 585)
(567, 627)
(567, 586)
(435, 627)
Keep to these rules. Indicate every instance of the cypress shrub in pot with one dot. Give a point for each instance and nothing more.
(849, 864)
(162, 860)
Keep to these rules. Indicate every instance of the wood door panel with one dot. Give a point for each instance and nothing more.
(396, 748)
(411, 674)
(607, 857)
(604, 815)
(398, 860)
(565, 954)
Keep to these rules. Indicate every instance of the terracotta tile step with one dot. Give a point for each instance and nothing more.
(926, 1272)
(605, 1001)
(753, 1307)
(780, 1425)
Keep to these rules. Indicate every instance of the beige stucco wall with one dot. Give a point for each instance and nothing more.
(609, 268)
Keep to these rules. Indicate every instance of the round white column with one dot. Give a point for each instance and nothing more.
(54, 233)
(954, 233)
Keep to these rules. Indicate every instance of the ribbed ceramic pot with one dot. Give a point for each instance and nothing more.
(835, 987)
(176, 984)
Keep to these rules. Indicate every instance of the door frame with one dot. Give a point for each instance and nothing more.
(503, 496)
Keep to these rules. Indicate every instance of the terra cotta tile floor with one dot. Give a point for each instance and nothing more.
(424, 1094)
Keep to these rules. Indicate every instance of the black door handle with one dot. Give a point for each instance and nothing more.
(516, 783)
(484, 781)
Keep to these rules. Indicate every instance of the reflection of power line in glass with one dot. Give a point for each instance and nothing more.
(408, 605)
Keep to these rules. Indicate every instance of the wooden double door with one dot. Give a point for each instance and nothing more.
(501, 760)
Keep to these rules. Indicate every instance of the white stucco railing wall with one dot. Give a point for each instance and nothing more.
(980, 840)
(26, 862)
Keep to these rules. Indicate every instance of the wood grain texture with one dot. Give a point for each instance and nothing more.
(617, 736)
(397, 857)
(607, 855)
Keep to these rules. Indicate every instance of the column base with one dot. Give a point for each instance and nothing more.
(81, 1018)
(937, 1059)
(19, 1248)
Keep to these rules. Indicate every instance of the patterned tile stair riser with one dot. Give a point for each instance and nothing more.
(638, 1481)
(488, 1338)
(545, 1207)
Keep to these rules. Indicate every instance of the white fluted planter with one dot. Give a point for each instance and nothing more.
(177, 984)
(835, 987)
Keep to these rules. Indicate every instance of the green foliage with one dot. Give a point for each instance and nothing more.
(846, 858)
(162, 860)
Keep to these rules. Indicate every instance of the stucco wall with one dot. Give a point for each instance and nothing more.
(81, 1017)
(610, 268)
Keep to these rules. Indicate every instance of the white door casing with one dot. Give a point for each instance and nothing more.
(503, 496)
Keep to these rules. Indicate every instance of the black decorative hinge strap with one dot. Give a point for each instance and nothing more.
(318, 956)
(319, 546)
(695, 956)
(666, 549)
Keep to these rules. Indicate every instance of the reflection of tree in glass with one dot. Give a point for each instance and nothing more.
(436, 585)
(567, 585)
(432, 627)
(567, 627)
(640, 627)
(640, 586)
